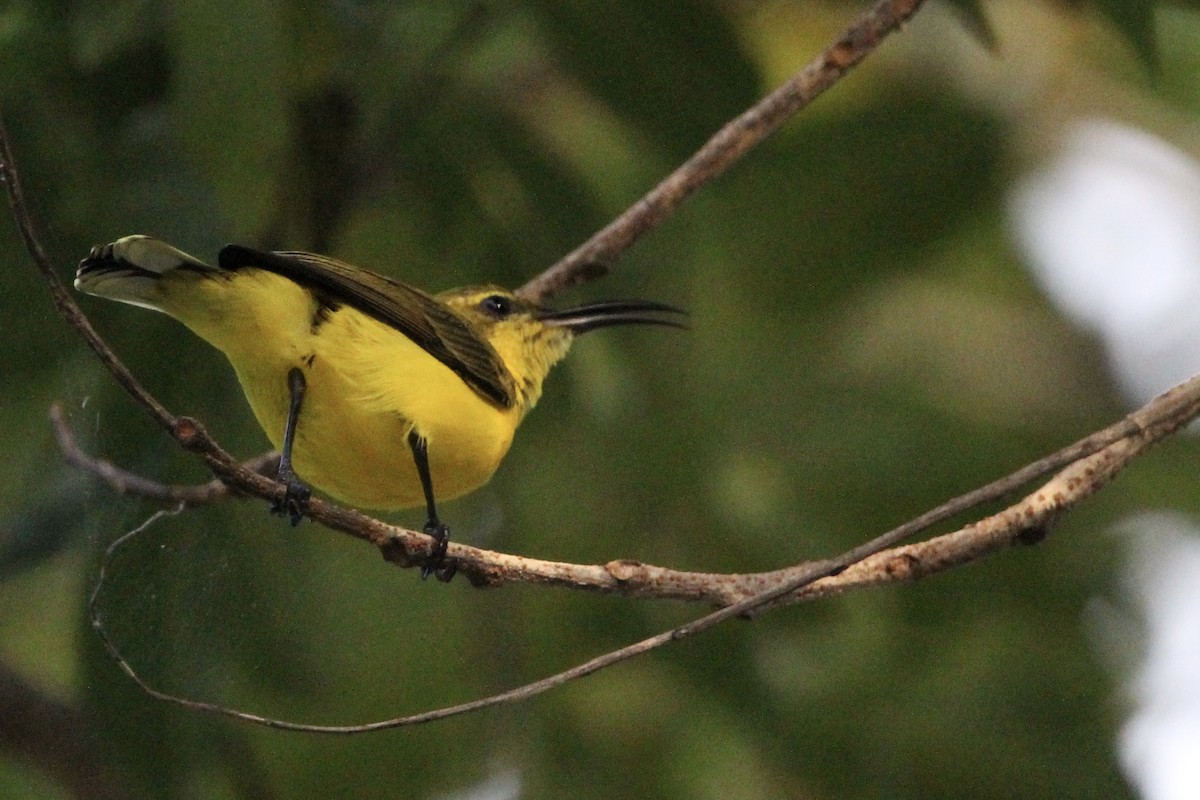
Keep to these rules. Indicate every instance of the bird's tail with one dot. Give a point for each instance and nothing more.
(134, 270)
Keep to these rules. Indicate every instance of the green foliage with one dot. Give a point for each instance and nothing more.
(974, 19)
(864, 345)
(1134, 19)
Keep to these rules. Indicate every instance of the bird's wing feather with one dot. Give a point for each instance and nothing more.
(437, 328)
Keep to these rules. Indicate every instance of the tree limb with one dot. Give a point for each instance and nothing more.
(871, 564)
(1086, 466)
(595, 257)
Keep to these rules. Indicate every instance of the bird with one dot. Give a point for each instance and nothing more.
(379, 394)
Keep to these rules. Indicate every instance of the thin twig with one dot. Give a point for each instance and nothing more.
(596, 256)
(124, 482)
(188, 432)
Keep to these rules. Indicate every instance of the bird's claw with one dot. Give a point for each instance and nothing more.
(438, 565)
(294, 501)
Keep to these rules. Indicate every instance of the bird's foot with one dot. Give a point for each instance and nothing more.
(438, 565)
(294, 501)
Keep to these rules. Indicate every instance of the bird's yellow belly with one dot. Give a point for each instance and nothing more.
(360, 454)
(366, 387)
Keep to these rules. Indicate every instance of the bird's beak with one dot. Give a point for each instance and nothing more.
(613, 312)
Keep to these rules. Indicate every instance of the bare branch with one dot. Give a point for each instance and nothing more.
(869, 565)
(125, 482)
(1160, 417)
(595, 257)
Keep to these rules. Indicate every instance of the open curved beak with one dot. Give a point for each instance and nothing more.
(613, 312)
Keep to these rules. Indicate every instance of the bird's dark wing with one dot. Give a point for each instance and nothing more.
(433, 325)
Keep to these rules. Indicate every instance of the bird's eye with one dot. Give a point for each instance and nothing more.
(497, 305)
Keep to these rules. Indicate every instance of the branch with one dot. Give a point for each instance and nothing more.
(124, 482)
(1159, 418)
(872, 564)
(595, 257)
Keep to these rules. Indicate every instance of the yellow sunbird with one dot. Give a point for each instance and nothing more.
(374, 391)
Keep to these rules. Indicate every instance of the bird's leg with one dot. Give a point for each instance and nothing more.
(437, 564)
(295, 498)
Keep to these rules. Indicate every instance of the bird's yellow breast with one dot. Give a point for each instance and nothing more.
(367, 386)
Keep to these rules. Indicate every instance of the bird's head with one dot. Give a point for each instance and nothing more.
(531, 339)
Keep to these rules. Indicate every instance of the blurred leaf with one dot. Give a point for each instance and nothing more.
(975, 20)
(104, 30)
(640, 59)
(232, 90)
(1134, 20)
(42, 531)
